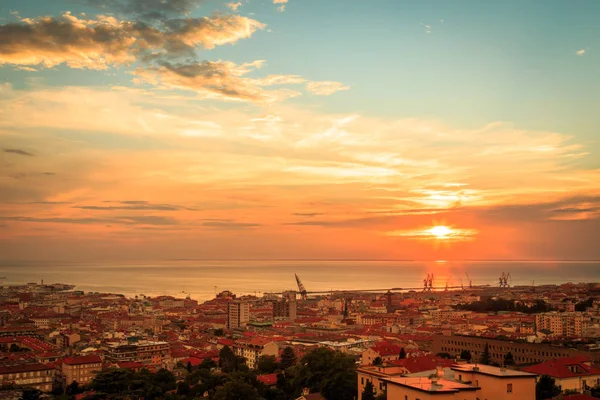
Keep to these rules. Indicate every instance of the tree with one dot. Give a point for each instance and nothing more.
(31, 394)
(228, 362)
(546, 388)
(189, 366)
(444, 355)
(509, 359)
(377, 361)
(326, 371)
(288, 358)
(369, 392)
(73, 388)
(465, 355)
(236, 390)
(218, 332)
(267, 364)
(485, 357)
(402, 353)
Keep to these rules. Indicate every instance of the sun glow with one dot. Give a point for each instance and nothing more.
(441, 231)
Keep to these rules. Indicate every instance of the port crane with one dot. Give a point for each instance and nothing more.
(301, 288)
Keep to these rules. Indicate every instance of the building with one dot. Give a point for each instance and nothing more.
(152, 354)
(570, 373)
(238, 314)
(382, 350)
(523, 353)
(252, 348)
(80, 369)
(495, 383)
(285, 308)
(424, 388)
(565, 324)
(35, 375)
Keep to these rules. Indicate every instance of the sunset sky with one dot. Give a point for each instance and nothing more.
(307, 129)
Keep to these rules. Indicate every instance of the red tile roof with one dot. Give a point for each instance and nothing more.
(561, 367)
(268, 379)
(423, 363)
(93, 359)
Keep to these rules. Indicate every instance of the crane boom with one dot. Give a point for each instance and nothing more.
(301, 288)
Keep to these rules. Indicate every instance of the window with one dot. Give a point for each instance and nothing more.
(509, 388)
(362, 381)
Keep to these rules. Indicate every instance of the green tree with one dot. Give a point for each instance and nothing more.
(228, 362)
(402, 353)
(485, 356)
(189, 366)
(369, 392)
(236, 390)
(381, 396)
(73, 388)
(465, 355)
(267, 364)
(509, 359)
(546, 388)
(377, 361)
(31, 394)
(218, 332)
(326, 371)
(444, 355)
(288, 358)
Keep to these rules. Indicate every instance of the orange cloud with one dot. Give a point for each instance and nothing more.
(105, 41)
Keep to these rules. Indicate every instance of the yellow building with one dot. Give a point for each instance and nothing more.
(81, 369)
(570, 373)
(38, 376)
(423, 388)
(496, 383)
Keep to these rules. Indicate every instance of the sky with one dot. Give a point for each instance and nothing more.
(299, 129)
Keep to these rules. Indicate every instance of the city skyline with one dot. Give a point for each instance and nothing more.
(300, 129)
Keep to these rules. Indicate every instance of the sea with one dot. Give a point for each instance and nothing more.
(202, 279)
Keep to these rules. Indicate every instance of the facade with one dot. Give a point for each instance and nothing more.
(284, 309)
(494, 383)
(523, 353)
(238, 314)
(251, 349)
(38, 376)
(571, 374)
(151, 354)
(567, 324)
(422, 388)
(382, 350)
(80, 369)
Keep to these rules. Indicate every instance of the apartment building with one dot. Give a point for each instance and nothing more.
(152, 354)
(494, 383)
(568, 324)
(570, 373)
(285, 308)
(80, 369)
(423, 388)
(523, 353)
(252, 348)
(35, 375)
(238, 314)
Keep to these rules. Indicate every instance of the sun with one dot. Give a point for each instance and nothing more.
(440, 231)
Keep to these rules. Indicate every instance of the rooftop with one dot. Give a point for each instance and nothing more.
(427, 385)
(491, 370)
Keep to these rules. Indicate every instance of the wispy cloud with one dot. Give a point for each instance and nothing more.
(234, 6)
(20, 152)
(581, 52)
(325, 88)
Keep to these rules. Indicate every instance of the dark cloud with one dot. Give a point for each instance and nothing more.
(227, 224)
(106, 41)
(148, 9)
(349, 223)
(123, 220)
(314, 214)
(18, 151)
(134, 205)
